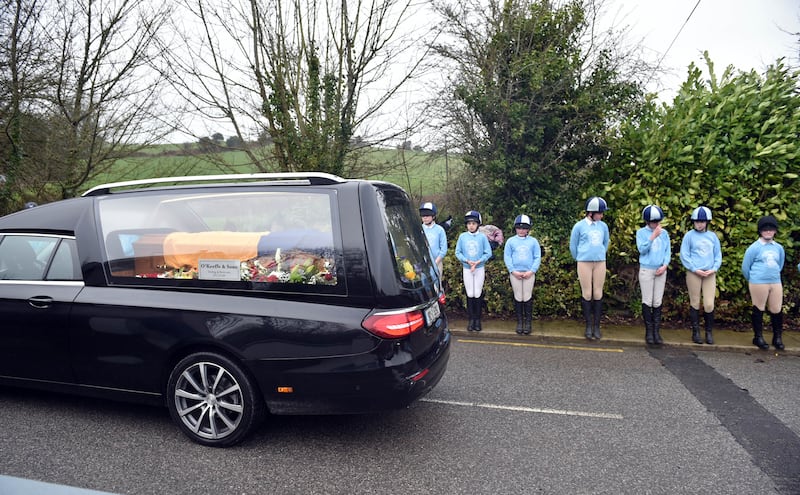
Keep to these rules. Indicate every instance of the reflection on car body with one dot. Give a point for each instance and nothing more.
(225, 298)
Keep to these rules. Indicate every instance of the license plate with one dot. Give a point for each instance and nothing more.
(432, 313)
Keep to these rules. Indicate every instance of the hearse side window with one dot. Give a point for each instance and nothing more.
(266, 239)
(407, 241)
(25, 257)
(65, 264)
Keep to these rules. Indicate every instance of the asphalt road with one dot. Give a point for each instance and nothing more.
(507, 418)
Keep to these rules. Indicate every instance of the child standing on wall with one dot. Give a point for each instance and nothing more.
(473, 250)
(522, 256)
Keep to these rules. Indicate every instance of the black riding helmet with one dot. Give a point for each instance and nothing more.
(767, 222)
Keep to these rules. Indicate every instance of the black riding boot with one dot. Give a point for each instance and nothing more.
(758, 328)
(520, 310)
(709, 320)
(777, 330)
(527, 306)
(657, 326)
(647, 315)
(597, 311)
(471, 313)
(586, 306)
(478, 309)
(694, 317)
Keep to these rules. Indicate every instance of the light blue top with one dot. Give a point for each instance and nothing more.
(437, 240)
(701, 251)
(589, 240)
(522, 254)
(763, 262)
(656, 253)
(473, 247)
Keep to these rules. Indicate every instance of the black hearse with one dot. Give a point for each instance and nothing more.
(225, 298)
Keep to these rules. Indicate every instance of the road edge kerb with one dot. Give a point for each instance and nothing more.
(488, 335)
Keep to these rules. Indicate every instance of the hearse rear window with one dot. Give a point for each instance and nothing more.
(407, 242)
(275, 237)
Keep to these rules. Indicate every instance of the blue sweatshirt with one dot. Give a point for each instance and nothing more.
(763, 262)
(522, 254)
(473, 247)
(701, 251)
(656, 253)
(437, 240)
(589, 240)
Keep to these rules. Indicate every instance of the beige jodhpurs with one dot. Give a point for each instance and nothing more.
(696, 284)
(767, 296)
(592, 276)
(652, 286)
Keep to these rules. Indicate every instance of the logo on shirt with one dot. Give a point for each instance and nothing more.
(704, 248)
(472, 249)
(770, 259)
(595, 238)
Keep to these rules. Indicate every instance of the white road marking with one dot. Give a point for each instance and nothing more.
(546, 346)
(538, 410)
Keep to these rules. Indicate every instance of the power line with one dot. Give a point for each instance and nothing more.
(663, 56)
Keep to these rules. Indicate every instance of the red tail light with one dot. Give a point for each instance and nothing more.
(396, 325)
(442, 299)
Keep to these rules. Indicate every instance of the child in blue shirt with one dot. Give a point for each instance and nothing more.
(522, 256)
(437, 237)
(701, 255)
(588, 244)
(473, 251)
(655, 252)
(761, 266)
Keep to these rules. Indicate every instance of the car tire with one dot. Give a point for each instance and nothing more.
(213, 400)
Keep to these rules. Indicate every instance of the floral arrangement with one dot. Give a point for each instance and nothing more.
(184, 272)
(407, 271)
(296, 267)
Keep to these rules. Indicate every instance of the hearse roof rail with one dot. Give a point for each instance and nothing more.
(314, 178)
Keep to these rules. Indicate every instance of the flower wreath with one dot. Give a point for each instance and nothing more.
(296, 267)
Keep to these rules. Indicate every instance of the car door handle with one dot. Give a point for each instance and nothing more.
(40, 301)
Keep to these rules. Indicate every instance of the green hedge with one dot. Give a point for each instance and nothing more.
(557, 291)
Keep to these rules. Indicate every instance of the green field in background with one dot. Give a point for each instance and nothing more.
(420, 173)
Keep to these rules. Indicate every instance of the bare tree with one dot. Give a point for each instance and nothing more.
(23, 82)
(79, 91)
(308, 73)
(105, 100)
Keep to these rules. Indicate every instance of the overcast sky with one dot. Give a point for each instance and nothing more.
(749, 34)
